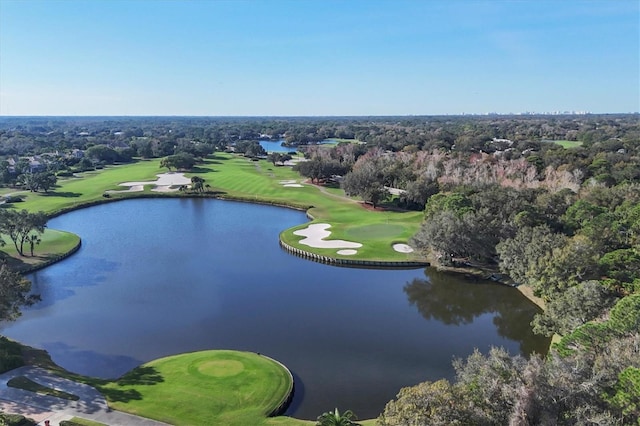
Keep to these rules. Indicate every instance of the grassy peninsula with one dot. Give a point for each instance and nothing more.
(235, 177)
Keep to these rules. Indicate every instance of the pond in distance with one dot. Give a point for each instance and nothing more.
(276, 146)
(157, 277)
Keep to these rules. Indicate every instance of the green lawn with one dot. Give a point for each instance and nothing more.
(204, 388)
(75, 191)
(260, 181)
(236, 177)
(54, 243)
(568, 144)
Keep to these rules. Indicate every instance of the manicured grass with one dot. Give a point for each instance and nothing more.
(29, 385)
(568, 144)
(75, 191)
(210, 387)
(259, 181)
(54, 243)
(376, 230)
(236, 177)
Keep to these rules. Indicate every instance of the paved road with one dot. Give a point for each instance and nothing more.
(91, 404)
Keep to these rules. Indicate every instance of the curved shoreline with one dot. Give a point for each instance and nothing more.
(351, 263)
(306, 254)
(56, 259)
(286, 401)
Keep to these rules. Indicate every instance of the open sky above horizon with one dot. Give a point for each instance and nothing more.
(318, 57)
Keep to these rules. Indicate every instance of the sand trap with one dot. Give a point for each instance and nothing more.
(171, 188)
(315, 237)
(166, 182)
(403, 248)
(132, 188)
(287, 182)
(292, 185)
(347, 252)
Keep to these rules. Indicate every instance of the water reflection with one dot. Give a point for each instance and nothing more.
(445, 297)
(157, 277)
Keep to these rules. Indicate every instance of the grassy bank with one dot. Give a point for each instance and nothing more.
(53, 245)
(236, 177)
(210, 387)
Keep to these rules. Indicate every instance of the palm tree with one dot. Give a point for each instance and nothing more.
(334, 418)
(33, 239)
(197, 184)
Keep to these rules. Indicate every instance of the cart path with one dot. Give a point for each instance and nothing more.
(90, 405)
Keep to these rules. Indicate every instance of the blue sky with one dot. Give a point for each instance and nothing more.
(317, 57)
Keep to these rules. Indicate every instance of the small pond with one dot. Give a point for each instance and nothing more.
(156, 277)
(276, 146)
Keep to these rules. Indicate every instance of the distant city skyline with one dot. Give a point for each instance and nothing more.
(318, 58)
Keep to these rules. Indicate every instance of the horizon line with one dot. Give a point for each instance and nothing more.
(491, 114)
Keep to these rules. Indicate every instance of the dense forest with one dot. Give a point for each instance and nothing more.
(550, 202)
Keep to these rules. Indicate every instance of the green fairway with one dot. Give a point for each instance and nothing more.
(235, 177)
(377, 230)
(204, 388)
(89, 187)
(568, 144)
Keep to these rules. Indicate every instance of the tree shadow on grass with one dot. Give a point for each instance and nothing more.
(61, 194)
(120, 395)
(143, 375)
(215, 159)
(198, 170)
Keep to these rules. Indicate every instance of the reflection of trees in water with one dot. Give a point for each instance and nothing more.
(454, 301)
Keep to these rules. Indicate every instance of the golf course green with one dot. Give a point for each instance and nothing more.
(209, 387)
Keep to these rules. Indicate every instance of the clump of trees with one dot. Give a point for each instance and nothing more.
(38, 181)
(180, 161)
(22, 227)
(278, 157)
(592, 379)
(250, 148)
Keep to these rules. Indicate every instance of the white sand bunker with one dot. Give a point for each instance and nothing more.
(132, 188)
(315, 237)
(290, 184)
(347, 252)
(403, 248)
(166, 182)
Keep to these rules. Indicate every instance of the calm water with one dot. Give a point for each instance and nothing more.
(158, 277)
(276, 146)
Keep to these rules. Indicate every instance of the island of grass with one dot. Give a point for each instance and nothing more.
(209, 387)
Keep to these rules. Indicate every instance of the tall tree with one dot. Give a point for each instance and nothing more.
(367, 182)
(197, 184)
(20, 225)
(14, 293)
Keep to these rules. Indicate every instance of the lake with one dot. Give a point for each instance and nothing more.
(156, 277)
(276, 146)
